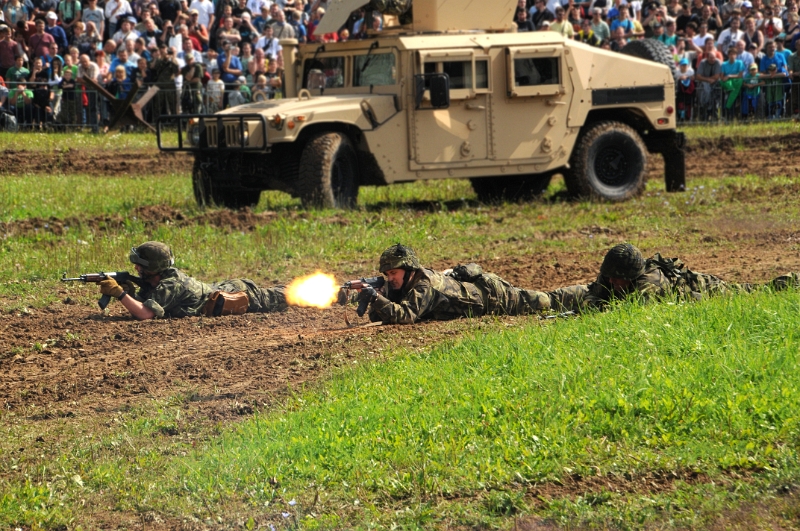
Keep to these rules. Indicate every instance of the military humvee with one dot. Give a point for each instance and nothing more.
(455, 93)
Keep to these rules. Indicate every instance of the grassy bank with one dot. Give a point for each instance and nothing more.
(100, 224)
(701, 398)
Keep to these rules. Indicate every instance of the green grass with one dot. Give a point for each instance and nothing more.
(740, 130)
(441, 219)
(77, 141)
(466, 432)
(64, 196)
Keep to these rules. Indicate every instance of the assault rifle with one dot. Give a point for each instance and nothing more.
(375, 282)
(95, 278)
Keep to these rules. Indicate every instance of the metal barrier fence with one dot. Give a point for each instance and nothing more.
(49, 109)
(43, 107)
(704, 103)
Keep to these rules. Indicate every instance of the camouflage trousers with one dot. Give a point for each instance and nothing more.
(261, 299)
(573, 299)
(501, 298)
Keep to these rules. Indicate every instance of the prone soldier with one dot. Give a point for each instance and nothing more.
(413, 293)
(625, 272)
(169, 292)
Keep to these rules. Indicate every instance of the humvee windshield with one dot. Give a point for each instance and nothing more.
(331, 67)
(374, 69)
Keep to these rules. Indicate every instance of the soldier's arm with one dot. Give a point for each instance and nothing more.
(159, 300)
(412, 308)
(137, 309)
(653, 285)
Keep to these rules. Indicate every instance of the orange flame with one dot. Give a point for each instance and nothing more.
(313, 291)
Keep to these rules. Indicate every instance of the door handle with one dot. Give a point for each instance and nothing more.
(475, 107)
(553, 103)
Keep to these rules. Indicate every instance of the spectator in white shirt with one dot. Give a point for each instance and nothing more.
(205, 10)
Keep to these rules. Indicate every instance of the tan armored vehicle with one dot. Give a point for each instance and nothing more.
(454, 93)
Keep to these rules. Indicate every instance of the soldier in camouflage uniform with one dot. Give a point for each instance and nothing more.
(625, 272)
(413, 293)
(172, 293)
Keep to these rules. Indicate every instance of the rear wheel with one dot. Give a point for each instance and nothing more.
(517, 188)
(609, 162)
(328, 172)
(208, 191)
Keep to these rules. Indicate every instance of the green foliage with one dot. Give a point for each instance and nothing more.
(663, 389)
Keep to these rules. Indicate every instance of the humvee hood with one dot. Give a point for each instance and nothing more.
(354, 109)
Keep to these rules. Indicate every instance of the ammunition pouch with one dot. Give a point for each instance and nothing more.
(225, 303)
(467, 273)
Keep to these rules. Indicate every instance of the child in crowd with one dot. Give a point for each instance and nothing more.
(773, 92)
(752, 89)
(215, 91)
(261, 90)
(70, 104)
(56, 74)
(685, 90)
(120, 85)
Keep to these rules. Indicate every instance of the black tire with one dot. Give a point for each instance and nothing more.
(512, 189)
(652, 50)
(208, 193)
(328, 172)
(609, 162)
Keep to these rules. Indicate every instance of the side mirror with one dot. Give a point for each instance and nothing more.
(439, 87)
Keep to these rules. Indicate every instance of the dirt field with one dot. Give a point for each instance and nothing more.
(766, 156)
(229, 365)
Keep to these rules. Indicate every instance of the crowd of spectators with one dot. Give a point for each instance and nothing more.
(734, 59)
(203, 55)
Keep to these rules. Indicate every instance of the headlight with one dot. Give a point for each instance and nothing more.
(245, 135)
(193, 133)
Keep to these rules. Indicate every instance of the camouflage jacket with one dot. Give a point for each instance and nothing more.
(179, 295)
(429, 294)
(662, 278)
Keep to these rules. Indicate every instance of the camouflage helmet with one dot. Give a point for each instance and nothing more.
(623, 261)
(398, 256)
(154, 257)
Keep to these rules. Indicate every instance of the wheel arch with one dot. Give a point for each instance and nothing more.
(370, 172)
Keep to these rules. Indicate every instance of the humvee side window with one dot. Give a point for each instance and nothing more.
(530, 72)
(375, 69)
(460, 72)
(535, 71)
(324, 73)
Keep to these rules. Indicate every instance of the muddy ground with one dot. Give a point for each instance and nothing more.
(69, 359)
(765, 156)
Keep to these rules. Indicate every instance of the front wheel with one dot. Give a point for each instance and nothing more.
(609, 163)
(328, 172)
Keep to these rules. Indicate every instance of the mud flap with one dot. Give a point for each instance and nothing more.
(675, 165)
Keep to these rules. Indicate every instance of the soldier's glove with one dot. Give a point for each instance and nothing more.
(367, 295)
(111, 288)
(129, 287)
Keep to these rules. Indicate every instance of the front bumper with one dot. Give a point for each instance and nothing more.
(212, 132)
